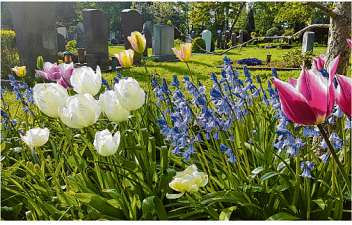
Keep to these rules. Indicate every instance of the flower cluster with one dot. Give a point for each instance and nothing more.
(250, 62)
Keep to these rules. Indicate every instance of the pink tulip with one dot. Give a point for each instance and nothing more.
(343, 94)
(311, 100)
(60, 73)
(349, 42)
(319, 62)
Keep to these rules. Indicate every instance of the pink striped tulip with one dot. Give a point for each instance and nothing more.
(60, 73)
(343, 94)
(349, 42)
(185, 53)
(137, 41)
(311, 100)
(319, 62)
(125, 58)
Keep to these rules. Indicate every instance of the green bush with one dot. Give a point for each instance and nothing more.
(198, 44)
(295, 58)
(272, 31)
(71, 46)
(9, 54)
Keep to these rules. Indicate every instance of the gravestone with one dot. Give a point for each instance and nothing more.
(96, 37)
(188, 38)
(163, 41)
(61, 42)
(193, 34)
(62, 31)
(147, 27)
(234, 39)
(308, 41)
(79, 35)
(227, 38)
(206, 36)
(131, 20)
(35, 27)
(218, 39)
(223, 40)
(241, 37)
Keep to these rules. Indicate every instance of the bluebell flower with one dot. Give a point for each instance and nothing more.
(325, 157)
(335, 140)
(307, 167)
(311, 131)
(274, 73)
(175, 81)
(250, 61)
(187, 154)
(348, 124)
(228, 152)
(105, 83)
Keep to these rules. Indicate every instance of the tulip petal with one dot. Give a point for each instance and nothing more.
(332, 67)
(174, 196)
(343, 94)
(292, 81)
(315, 90)
(293, 104)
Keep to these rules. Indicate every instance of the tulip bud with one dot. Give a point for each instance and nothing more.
(20, 71)
(130, 95)
(185, 52)
(79, 111)
(343, 94)
(125, 58)
(349, 43)
(105, 143)
(36, 137)
(137, 41)
(111, 106)
(40, 62)
(49, 97)
(84, 80)
(189, 180)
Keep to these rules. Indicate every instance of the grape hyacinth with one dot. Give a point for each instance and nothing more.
(307, 167)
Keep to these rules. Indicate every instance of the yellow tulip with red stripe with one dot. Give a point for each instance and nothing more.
(137, 41)
(125, 58)
(184, 53)
(20, 71)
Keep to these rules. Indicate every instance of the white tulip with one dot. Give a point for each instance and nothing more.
(111, 106)
(84, 80)
(130, 94)
(49, 97)
(105, 143)
(189, 180)
(80, 110)
(36, 137)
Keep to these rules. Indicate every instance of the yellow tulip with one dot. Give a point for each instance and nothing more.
(125, 58)
(137, 41)
(185, 52)
(20, 71)
(189, 180)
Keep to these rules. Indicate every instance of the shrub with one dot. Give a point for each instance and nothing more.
(272, 31)
(9, 54)
(295, 58)
(198, 44)
(71, 46)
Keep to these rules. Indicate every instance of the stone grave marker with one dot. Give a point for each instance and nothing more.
(234, 39)
(223, 40)
(148, 36)
(206, 36)
(96, 38)
(35, 27)
(308, 42)
(131, 20)
(163, 41)
(218, 39)
(241, 37)
(79, 35)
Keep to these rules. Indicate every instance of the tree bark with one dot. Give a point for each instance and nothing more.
(339, 31)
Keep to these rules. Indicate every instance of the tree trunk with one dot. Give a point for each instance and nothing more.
(339, 31)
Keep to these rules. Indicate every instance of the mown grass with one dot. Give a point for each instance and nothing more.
(203, 64)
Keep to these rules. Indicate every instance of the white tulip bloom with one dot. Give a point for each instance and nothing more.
(189, 180)
(131, 96)
(105, 143)
(49, 97)
(85, 80)
(111, 106)
(36, 137)
(80, 110)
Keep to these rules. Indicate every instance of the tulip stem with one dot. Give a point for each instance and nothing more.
(336, 159)
(190, 72)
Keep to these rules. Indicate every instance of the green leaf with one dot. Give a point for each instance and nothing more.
(268, 175)
(282, 216)
(226, 213)
(320, 202)
(256, 171)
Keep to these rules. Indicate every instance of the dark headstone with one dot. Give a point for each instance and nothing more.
(79, 35)
(131, 20)
(147, 33)
(96, 37)
(227, 38)
(308, 42)
(223, 41)
(36, 35)
(60, 42)
(218, 39)
(241, 37)
(234, 39)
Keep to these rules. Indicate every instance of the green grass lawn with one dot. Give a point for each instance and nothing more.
(203, 64)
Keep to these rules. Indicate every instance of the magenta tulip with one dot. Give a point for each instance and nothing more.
(343, 94)
(60, 73)
(319, 62)
(311, 100)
